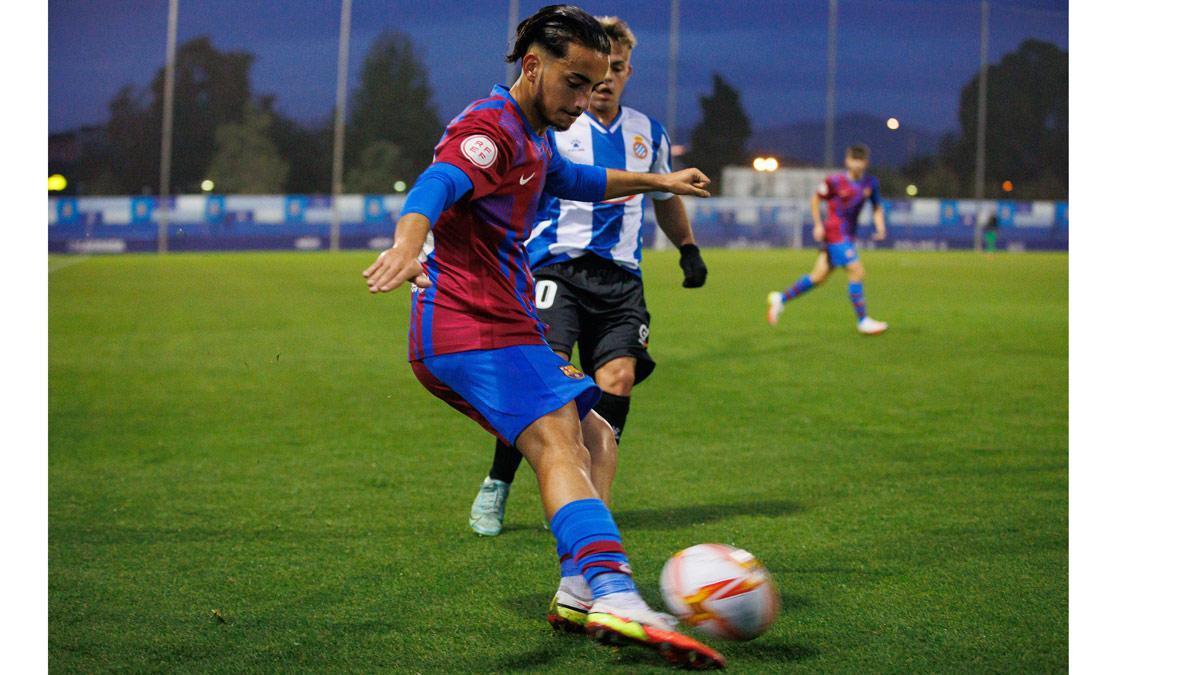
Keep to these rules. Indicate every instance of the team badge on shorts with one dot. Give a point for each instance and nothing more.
(639, 147)
(571, 371)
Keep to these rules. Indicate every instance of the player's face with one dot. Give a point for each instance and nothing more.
(565, 85)
(608, 95)
(856, 165)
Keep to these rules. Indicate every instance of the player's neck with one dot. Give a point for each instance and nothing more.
(606, 118)
(852, 175)
(522, 93)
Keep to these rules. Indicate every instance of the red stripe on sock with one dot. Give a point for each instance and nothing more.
(600, 547)
(611, 565)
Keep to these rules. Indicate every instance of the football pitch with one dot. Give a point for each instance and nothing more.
(244, 475)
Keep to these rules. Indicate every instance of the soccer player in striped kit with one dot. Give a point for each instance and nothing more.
(474, 338)
(586, 258)
(845, 194)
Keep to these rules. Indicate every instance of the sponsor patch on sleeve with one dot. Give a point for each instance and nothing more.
(480, 149)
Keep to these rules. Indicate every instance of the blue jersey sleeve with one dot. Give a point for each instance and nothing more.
(874, 192)
(576, 182)
(437, 189)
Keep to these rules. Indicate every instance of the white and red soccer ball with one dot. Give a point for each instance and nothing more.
(721, 591)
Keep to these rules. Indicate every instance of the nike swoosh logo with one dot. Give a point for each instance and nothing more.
(526, 179)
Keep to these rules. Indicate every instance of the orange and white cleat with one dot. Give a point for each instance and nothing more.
(628, 624)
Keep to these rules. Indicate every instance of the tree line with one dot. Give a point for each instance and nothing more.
(1026, 134)
(225, 133)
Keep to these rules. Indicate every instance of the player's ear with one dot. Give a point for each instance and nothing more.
(531, 65)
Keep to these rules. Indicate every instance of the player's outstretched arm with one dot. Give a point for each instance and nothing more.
(401, 263)
(686, 182)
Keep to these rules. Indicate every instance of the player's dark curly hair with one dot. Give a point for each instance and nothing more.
(556, 26)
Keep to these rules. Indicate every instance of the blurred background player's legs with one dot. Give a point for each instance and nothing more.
(858, 298)
(776, 300)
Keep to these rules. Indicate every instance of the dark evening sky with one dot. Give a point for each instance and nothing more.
(902, 58)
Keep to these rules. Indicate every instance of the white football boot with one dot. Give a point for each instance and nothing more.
(487, 512)
(869, 326)
(774, 307)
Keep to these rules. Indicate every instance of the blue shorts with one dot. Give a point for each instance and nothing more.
(841, 254)
(505, 390)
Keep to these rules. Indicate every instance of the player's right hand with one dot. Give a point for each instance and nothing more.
(391, 269)
(818, 233)
(686, 182)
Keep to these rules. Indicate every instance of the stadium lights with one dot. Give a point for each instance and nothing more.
(399, 186)
(1007, 186)
(765, 164)
(57, 182)
(911, 190)
(206, 185)
(893, 123)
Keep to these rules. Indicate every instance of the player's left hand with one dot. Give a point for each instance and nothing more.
(689, 182)
(695, 272)
(879, 235)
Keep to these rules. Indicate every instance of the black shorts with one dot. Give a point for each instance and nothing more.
(599, 305)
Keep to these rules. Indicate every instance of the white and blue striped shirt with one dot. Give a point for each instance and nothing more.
(611, 229)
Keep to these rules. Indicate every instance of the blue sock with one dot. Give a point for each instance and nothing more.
(586, 529)
(858, 299)
(801, 286)
(566, 561)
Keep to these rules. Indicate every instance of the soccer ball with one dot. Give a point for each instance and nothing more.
(721, 591)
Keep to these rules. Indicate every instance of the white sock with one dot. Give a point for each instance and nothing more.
(576, 586)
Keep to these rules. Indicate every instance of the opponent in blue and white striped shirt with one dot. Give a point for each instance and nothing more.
(586, 259)
(612, 229)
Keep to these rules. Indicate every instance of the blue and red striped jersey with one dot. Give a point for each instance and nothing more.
(845, 198)
(482, 290)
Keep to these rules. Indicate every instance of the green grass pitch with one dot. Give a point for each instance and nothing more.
(244, 475)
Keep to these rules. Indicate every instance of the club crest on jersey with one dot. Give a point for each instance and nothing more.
(640, 150)
(576, 145)
(480, 149)
(571, 371)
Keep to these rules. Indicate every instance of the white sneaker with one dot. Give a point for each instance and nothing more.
(487, 512)
(869, 326)
(774, 307)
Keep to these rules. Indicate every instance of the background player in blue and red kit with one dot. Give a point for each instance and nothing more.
(475, 340)
(587, 266)
(845, 194)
